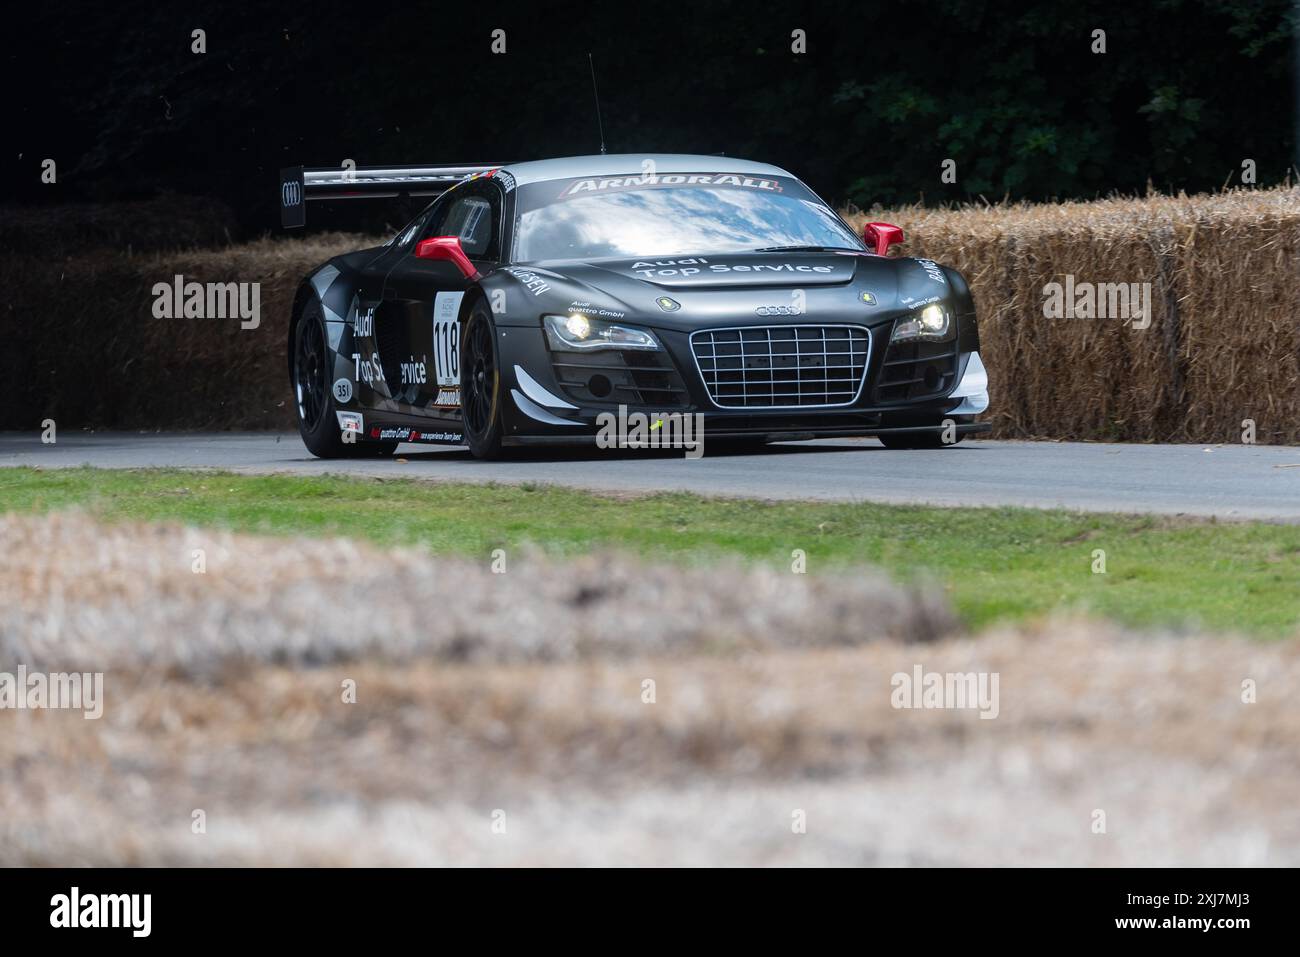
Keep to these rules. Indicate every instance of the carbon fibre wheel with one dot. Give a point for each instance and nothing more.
(480, 384)
(313, 366)
(309, 374)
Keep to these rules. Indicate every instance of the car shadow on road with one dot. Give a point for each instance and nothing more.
(714, 450)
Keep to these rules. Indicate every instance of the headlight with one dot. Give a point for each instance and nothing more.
(577, 332)
(934, 322)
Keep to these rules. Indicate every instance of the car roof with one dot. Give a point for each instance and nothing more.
(628, 164)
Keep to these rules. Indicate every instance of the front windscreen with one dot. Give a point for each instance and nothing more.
(670, 215)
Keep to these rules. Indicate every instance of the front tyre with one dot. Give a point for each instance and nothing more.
(480, 384)
(312, 368)
(916, 440)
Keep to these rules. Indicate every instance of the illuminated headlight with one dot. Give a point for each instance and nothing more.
(933, 322)
(578, 327)
(577, 332)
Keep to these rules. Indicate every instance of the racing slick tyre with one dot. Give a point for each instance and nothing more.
(480, 384)
(916, 440)
(312, 368)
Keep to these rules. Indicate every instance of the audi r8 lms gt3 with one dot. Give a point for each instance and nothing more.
(530, 303)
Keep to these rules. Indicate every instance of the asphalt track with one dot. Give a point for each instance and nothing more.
(1226, 481)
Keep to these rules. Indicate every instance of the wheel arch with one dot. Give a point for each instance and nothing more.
(473, 296)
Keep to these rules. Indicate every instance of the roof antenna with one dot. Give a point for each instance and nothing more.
(596, 93)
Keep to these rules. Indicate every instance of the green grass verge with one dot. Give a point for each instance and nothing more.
(997, 564)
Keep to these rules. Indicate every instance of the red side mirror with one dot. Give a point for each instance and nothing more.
(881, 236)
(446, 248)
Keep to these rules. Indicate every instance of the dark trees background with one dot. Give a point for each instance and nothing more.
(1186, 90)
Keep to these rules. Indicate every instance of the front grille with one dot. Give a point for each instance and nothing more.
(782, 366)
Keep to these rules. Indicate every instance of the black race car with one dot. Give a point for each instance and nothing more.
(538, 302)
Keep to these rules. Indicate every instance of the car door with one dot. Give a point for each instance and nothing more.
(427, 295)
(377, 340)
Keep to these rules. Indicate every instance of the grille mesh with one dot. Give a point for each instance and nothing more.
(782, 366)
(915, 370)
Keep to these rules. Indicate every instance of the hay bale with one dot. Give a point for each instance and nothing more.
(1223, 344)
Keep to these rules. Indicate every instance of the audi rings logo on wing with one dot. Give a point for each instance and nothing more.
(778, 311)
(291, 193)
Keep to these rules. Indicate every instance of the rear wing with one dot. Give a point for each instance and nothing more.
(299, 184)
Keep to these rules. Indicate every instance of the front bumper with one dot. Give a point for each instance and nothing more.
(549, 403)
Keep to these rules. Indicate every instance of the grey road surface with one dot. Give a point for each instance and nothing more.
(1227, 481)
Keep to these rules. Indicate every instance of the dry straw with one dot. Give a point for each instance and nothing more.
(1223, 344)
(229, 692)
(1224, 339)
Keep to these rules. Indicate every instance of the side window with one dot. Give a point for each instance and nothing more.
(409, 231)
(470, 218)
(474, 218)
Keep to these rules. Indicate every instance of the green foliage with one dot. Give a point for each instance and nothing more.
(1185, 91)
(1014, 93)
